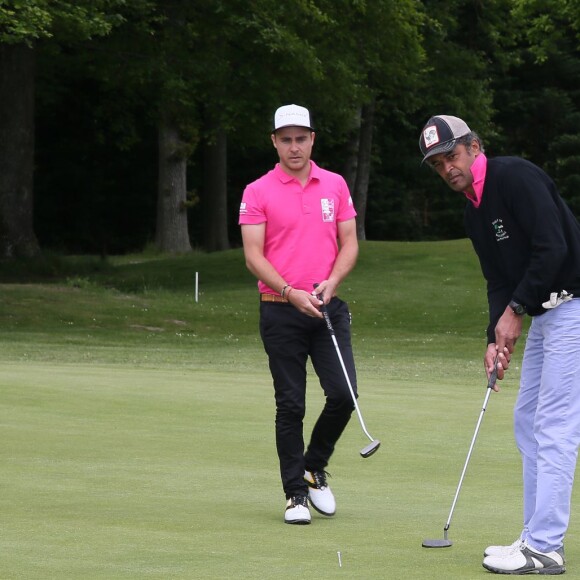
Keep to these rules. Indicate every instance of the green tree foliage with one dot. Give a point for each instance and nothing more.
(32, 20)
(22, 26)
(466, 44)
(377, 68)
(538, 97)
(337, 57)
(110, 70)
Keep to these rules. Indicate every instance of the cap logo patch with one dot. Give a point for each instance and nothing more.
(430, 136)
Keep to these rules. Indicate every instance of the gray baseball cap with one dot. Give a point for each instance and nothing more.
(440, 134)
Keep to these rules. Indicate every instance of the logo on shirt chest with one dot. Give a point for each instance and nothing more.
(327, 206)
(500, 233)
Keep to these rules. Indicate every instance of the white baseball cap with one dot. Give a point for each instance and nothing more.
(292, 116)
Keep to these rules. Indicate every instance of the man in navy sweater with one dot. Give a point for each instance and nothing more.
(528, 244)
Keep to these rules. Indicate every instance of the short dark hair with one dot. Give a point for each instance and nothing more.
(468, 139)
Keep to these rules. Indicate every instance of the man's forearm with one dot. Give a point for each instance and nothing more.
(266, 273)
(345, 262)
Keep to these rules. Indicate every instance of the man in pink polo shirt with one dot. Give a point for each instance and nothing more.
(298, 229)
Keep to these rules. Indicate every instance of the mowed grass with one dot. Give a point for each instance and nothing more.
(137, 425)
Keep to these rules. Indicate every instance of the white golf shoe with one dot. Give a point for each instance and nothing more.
(297, 511)
(502, 551)
(527, 560)
(320, 495)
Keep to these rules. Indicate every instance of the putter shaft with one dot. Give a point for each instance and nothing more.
(369, 449)
(490, 384)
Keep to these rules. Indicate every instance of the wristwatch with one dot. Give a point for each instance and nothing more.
(517, 308)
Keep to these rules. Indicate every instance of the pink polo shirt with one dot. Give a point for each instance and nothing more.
(301, 222)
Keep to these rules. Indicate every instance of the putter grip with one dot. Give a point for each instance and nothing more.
(493, 375)
(324, 311)
(321, 297)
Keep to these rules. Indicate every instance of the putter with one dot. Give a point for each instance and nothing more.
(375, 443)
(446, 542)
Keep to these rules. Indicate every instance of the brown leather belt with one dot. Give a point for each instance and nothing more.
(272, 298)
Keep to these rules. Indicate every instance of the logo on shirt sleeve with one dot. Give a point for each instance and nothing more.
(327, 206)
(243, 209)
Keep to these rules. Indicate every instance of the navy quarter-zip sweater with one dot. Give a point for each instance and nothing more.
(526, 237)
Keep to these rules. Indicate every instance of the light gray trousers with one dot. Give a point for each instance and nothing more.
(547, 423)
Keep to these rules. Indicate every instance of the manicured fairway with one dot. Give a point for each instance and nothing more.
(131, 453)
(109, 472)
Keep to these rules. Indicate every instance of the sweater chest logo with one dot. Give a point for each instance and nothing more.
(327, 206)
(500, 233)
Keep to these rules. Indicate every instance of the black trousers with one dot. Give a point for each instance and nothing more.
(289, 338)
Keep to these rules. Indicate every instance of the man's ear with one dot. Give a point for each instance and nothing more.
(475, 147)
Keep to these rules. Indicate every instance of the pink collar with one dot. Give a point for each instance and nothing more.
(478, 170)
(286, 178)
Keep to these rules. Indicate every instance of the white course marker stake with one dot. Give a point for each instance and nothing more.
(196, 286)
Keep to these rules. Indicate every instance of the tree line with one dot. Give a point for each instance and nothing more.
(127, 123)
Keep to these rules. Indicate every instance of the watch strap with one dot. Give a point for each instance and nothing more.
(517, 308)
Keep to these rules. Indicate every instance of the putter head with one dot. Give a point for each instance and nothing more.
(437, 543)
(370, 448)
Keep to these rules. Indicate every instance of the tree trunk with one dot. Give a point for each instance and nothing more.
(353, 141)
(172, 234)
(215, 193)
(361, 187)
(17, 70)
